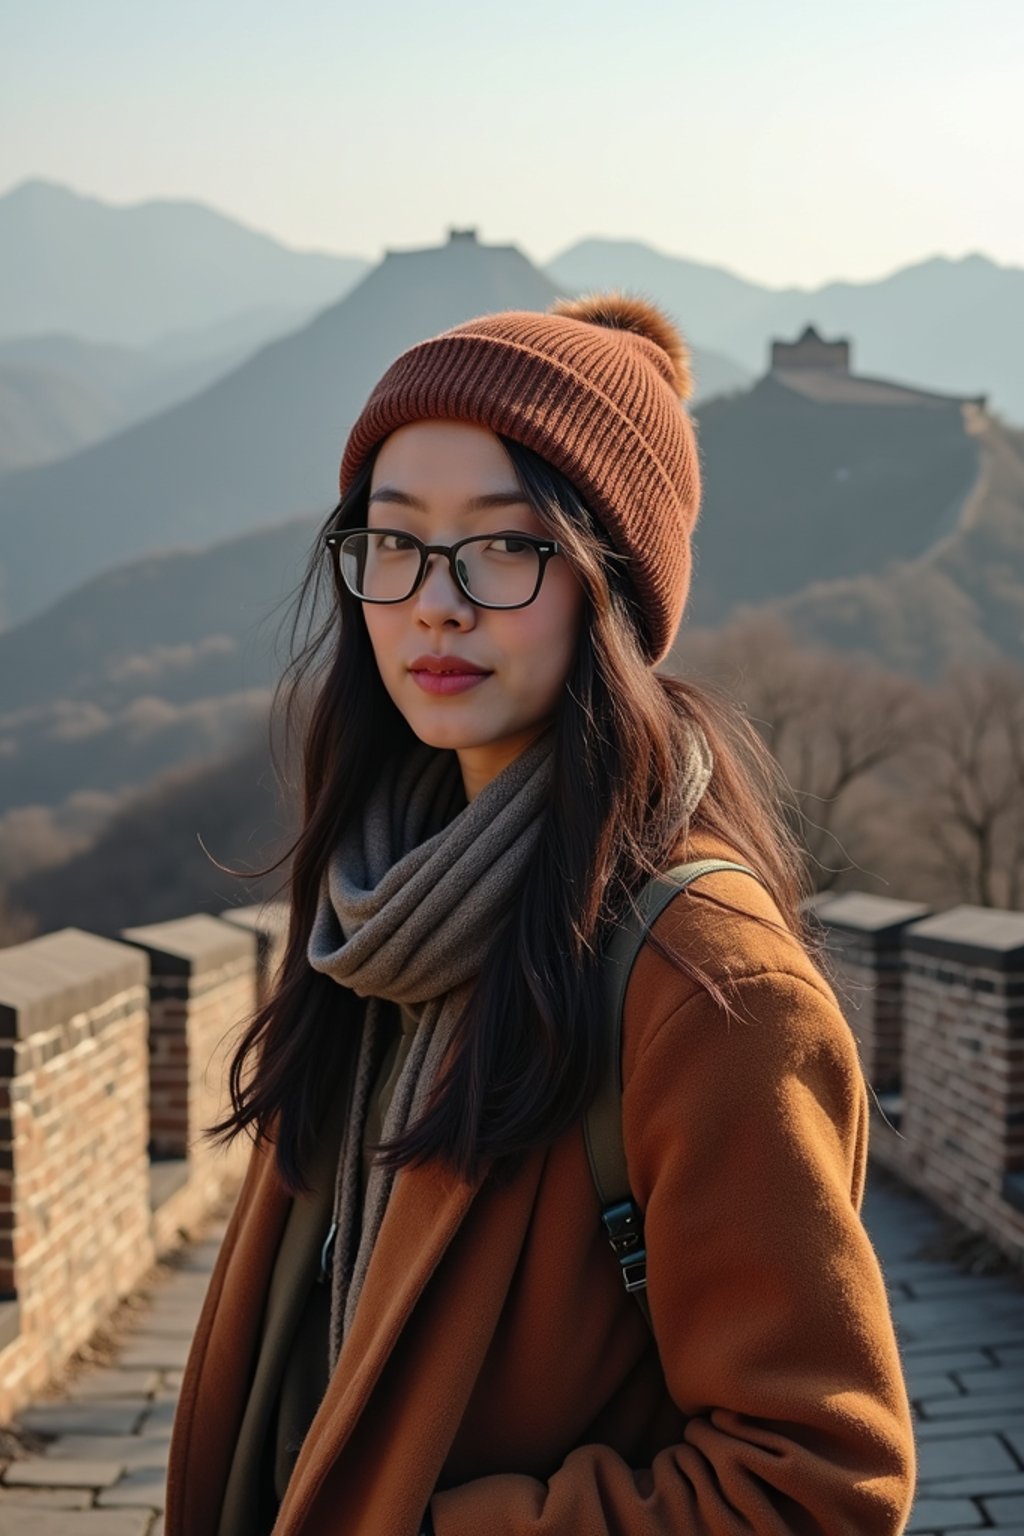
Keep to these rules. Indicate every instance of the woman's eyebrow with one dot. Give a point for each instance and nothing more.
(392, 494)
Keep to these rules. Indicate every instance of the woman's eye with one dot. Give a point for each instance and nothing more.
(396, 541)
(509, 546)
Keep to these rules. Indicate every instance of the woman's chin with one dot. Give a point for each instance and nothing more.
(457, 736)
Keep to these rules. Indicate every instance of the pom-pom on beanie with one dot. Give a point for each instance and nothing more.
(597, 386)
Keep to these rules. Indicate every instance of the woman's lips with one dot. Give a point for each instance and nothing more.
(448, 682)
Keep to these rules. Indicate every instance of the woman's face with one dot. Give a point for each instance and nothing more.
(428, 479)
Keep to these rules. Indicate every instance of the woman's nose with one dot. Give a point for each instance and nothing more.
(438, 593)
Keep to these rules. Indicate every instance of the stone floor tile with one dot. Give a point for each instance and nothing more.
(974, 1425)
(156, 1351)
(201, 1268)
(44, 1472)
(185, 1286)
(970, 1403)
(945, 1362)
(980, 1333)
(934, 1384)
(991, 1482)
(916, 1269)
(82, 1522)
(930, 1318)
(143, 1486)
(1004, 1378)
(159, 1417)
(983, 1290)
(943, 1514)
(164, 1326)
(45, 1498)
(1005, 1509)
(963, 1456)
(109, 1416)
(142, 1450)
(114, 1381)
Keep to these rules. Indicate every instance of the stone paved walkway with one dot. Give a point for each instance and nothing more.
(962, 1338)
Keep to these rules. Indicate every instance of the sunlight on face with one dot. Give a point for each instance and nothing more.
(444, 466)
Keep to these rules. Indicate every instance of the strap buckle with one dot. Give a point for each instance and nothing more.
(624, 1224)
(326, 1257)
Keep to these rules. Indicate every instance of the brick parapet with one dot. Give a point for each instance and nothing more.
(269, 922)
(109, 1052)
(865, 941)
(74, 1223)
(962, 1132)
(203, 987)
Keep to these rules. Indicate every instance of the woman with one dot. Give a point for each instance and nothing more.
(415, 1323)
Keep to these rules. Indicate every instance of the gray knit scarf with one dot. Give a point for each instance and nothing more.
(407, 911)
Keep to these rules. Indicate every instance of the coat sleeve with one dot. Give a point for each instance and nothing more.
(746, 1141)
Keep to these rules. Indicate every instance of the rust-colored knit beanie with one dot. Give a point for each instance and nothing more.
(596, 386)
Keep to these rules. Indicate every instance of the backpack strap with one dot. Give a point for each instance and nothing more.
(602, 1125)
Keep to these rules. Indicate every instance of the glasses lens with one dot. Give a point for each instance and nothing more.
(380, 566)
(494, 568)
(499, 569)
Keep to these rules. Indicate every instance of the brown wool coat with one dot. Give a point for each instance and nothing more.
(497, 1368)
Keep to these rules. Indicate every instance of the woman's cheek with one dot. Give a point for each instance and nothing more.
(544, 670)
(386, 650)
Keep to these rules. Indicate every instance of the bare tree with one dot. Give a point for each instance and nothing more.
(832, 721)
(969, 804)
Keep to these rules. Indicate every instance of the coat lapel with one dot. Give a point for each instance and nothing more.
(216, 1381)
(428, 1206)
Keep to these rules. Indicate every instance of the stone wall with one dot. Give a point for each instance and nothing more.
(937, 1004)
(964, 1068)
(113, 1058)
(73, 1086)
(865, 944)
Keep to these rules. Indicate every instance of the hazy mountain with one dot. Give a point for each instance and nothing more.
(960, 600)
(45, 414)
(54, 753)
(133, 274)
(154, 664)
(941, 324)
(715, 374)
(143, 665)
(188, 625)
(707, 301)
(124, 384)
(797, 491)
(256, 447)
(148, 863)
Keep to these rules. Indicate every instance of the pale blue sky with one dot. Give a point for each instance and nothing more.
(789, 140)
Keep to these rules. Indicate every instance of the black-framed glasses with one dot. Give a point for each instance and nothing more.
(494, 570)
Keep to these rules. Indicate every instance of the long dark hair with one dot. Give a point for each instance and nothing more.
(526, 1059)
